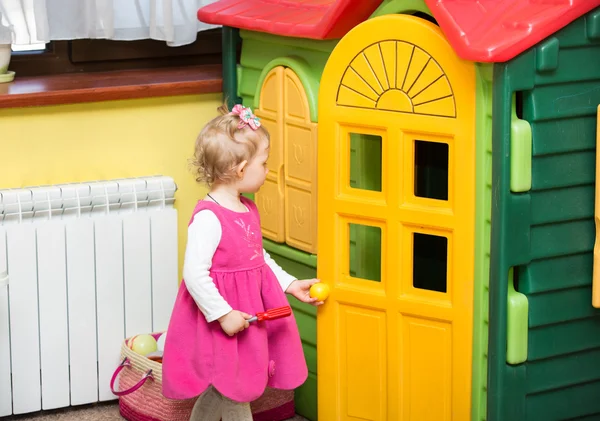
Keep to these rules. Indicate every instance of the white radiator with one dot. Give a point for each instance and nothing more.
(87, 265)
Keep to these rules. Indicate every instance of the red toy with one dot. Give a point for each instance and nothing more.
(272, 314)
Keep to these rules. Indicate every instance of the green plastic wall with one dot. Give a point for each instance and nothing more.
(547, 233)
(389, 7)
(483, 211)
(303, 266)
(261, 52)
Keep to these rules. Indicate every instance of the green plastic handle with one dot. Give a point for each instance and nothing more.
(517, 324)
(520, 152)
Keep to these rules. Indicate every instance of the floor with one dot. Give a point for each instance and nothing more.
(99, 412)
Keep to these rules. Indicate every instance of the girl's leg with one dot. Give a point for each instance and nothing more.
(236, 411)
(208, 406)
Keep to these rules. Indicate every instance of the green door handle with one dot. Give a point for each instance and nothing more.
(520, 152)
(517, 324)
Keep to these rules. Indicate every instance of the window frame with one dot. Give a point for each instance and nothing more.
(99, 55)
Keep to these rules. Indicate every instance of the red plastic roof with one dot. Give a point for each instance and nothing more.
(499, 30)
(478, 30)
(316, 19)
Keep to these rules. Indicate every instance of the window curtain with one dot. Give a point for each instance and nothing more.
(38, 21)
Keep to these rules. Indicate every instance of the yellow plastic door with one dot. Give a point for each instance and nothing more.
(300, 136)
(270, 198)
(395, 343)
(288, 200)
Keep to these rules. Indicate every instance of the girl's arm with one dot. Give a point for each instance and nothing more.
(204, 235)
(284, 278)
(290, 284)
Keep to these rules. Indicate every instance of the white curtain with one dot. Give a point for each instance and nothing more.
(39, 21)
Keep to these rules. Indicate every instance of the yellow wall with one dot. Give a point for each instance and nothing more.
(107, 140)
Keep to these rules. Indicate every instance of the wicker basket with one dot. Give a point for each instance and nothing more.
(141, 398)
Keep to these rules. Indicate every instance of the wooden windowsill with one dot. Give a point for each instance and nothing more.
(76, 88)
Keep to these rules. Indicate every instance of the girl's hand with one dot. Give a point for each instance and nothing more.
(301, 290)
(234, 322)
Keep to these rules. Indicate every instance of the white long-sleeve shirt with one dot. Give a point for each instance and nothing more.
(204, 235)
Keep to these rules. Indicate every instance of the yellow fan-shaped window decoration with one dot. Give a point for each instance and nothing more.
(397, 76)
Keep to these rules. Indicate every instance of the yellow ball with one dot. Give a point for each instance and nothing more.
(320, 291)
(143, 344)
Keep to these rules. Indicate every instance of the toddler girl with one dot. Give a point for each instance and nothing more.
(211, 349)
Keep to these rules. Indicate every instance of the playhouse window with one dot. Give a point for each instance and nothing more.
(431, 170)
(430, 262)
(365, 252)
(365, 161)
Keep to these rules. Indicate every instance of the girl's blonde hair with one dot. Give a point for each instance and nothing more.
(221, 146)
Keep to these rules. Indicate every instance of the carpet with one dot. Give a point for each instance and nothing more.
(98, 412)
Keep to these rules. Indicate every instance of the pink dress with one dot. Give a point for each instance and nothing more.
(199, 354)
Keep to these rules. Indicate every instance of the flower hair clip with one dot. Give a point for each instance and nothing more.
(246, 117)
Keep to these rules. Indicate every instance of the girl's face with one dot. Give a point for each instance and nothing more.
(255, 171)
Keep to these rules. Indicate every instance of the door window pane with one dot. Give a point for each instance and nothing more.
(431, 170)
(365, 252)
(430, 262)
(365, 161)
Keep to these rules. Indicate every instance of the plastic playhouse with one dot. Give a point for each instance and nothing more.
(433, 161)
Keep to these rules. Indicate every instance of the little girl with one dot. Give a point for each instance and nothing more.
(211, 349)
